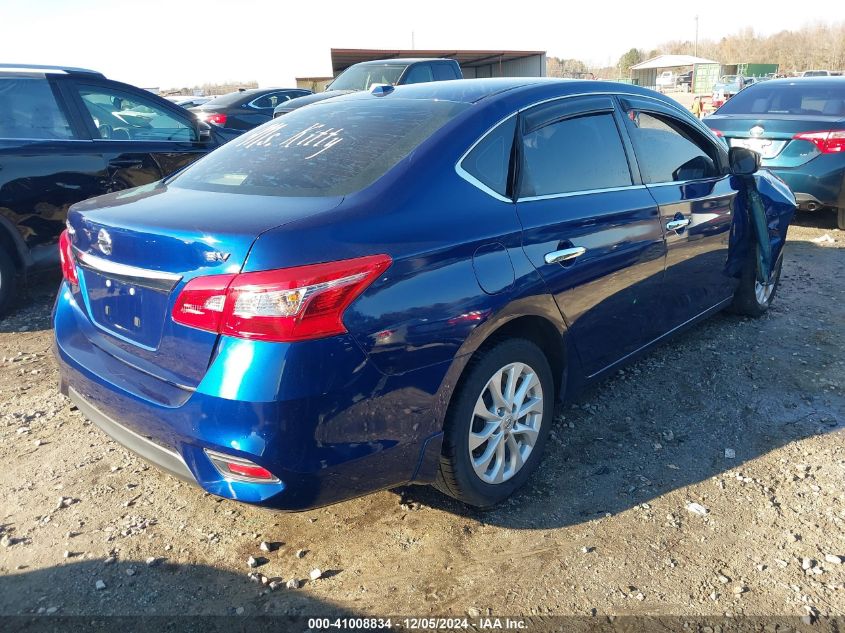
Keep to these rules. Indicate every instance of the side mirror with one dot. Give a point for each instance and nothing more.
(743, 161)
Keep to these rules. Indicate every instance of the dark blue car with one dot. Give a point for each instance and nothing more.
(398, 285)
(798, 127)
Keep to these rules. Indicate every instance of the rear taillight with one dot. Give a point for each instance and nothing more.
(285, 305)
(717, 132)
(218, 118)
(827, 141)
(66, 258)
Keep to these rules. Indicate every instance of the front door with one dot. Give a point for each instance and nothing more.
(687, 175)
(140, 139)
(590, 229)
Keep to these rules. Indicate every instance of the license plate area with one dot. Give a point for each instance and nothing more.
(126, 309)
(766, 147)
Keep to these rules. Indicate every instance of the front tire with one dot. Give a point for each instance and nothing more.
(497, 424)
(751, 297)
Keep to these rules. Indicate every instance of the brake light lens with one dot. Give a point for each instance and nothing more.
(827, 141)
(67, 261)
(717, 132)
(217, 118)
(285, 305)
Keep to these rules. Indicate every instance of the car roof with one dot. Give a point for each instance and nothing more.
(819, 81)
(401, 61)
(474, 90)
(46, 70)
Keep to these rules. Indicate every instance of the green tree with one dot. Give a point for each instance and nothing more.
(632, 57)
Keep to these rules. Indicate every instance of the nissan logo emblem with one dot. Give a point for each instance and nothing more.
(104, 242)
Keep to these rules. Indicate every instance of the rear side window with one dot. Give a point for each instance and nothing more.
(489, 161)
(327, 149)
(421, 73)
(669, 151)
(29, 110)
(444, 72)
(122, 116)
(577, 154)
(789, 98)
(271, 100)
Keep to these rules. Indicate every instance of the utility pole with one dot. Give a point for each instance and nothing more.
(696, 37)
(412, 41)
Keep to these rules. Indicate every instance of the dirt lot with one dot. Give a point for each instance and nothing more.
(745, 418)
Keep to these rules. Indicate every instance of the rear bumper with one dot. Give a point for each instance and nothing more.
(819, 181)
(324, 421)
(165, 459)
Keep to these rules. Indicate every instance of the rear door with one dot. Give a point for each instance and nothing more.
(47, 163)
(686, 171)
(590, 228)
(141, 138)
(260, 109)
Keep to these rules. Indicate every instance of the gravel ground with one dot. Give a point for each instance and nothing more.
(745, 418)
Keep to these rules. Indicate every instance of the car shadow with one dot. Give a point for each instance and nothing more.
(821, 219)
(168, 595)
(700, 406)
(31, 309)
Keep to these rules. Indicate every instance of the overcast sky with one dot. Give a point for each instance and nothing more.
(154, 43)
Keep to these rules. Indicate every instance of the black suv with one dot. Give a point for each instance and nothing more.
(393, 72)
(67, 134)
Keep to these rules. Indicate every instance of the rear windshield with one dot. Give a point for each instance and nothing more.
(325, 149)
(788, 98)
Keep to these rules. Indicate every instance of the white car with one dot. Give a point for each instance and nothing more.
(667, 79)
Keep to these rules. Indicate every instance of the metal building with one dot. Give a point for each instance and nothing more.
(645, 73)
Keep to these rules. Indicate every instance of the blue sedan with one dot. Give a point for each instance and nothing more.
(397, 286)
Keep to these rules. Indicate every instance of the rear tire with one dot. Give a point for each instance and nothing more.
(504, 407)
(8, 281)
(840, 218)
(752, 298)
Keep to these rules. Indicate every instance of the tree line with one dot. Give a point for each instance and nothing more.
(812, 47)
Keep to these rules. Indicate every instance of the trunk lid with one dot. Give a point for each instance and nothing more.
(137, 249)
(772, 135)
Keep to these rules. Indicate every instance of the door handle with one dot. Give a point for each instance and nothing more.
(567, 254)
(677, 225)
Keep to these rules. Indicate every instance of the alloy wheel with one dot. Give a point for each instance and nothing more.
(505, 423)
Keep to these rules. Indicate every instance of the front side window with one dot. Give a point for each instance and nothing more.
(29, 110)
(489, 161)
(327, 149)
(121, 116)
(668, 150)
(421, 73)
(576, 154)
(444, 72)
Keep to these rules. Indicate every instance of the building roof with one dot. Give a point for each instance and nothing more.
(671, 61)
(343, 58)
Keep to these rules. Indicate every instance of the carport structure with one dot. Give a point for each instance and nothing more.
(645, 73)
(474, 63)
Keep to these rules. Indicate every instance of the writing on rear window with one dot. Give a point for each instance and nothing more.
(317, 136)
